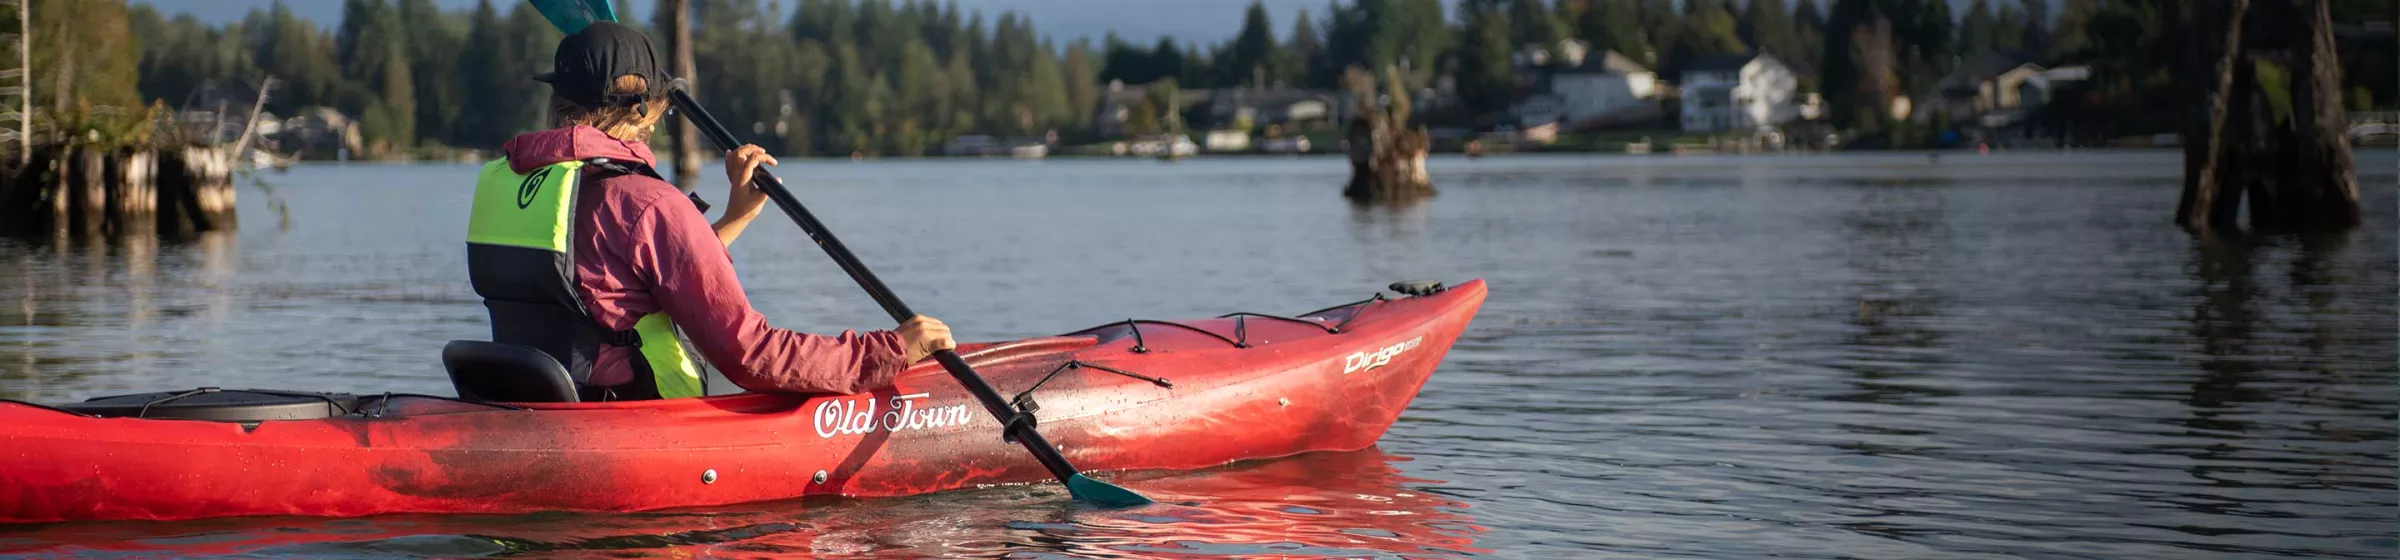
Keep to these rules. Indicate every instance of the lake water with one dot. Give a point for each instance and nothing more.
(1875, 356)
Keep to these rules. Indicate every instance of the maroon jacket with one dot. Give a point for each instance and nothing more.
(641, 247)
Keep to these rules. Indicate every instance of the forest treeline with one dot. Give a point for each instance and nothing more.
(901, 77)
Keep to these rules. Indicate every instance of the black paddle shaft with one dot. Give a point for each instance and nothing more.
(765, 180)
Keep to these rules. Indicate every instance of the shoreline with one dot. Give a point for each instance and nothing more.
(1662, 155)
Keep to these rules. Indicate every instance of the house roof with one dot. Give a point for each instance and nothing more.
(1975, 69)
(1125, 94)
(1720, 63)
(1609, 62)
(1130, 94)
(2067, 73)
(1271, 97)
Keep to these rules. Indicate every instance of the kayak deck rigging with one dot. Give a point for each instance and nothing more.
(1241, 326)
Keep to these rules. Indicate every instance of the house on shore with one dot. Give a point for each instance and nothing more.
(1605, 90)
(1747, 94)
(1996, 90)
(1281, 108)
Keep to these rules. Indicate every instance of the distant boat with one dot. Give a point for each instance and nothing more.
(1165, 147)
(1285, 145)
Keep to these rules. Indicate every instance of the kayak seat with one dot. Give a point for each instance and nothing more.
(501, 372)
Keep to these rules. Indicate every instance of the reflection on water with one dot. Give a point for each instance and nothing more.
(1821, 357)
(1350, 505)
(57, 288)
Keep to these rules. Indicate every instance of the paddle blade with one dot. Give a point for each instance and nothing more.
(1103, 494)
(570, 16)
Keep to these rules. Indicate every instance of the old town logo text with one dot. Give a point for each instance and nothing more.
(857, 416)
(1363, 361)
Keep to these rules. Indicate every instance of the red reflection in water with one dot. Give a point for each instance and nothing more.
(1341, 505)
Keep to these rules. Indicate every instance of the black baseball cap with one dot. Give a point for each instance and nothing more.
(589, 60)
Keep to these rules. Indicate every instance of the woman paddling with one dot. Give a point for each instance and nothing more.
(581, 250)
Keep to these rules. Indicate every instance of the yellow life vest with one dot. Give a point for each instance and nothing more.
(520, 261)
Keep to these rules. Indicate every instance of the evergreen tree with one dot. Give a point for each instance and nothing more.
(484, 69)
(1850, 102)
(1661, 29)
(181, 57)
(1614, 25)
(1045, 91)
(1767, 26)
(965, 95)
(2035, 15)
(2009, 30)
(1167, 59)
(434, 40)
(1708, 31)
(380, 88)
(1082, 81)
(86, 55)
(1300, 53)
(1533, 26)
(1809, 31)
(1375, 33)
(1928, 39)
(2068, 37)
(292, 50)
(1976, 34)
(1485, 78)
(1878, 49)
(531, 44)
(1250, 60)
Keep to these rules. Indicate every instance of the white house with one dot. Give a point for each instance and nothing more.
(1226, 141)
(1539, 109)
(1998, 91)
(1259, 107)
(1610, 83)
(1738, 94)
(1609, 87)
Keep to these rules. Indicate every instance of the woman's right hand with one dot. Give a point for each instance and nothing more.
(921, 336)
(741, 164)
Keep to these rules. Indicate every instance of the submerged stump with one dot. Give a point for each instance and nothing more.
(87, 191)
(1387, 153)
(2292, 162)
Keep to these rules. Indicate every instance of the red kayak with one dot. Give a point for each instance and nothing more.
(1127, 396)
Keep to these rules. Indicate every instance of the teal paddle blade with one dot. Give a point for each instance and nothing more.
(1103, 494)
(570, 16)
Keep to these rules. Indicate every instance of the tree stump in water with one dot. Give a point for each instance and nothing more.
(2322, 187)
(2293, 163)
(197, 190)
(90, 192)
(1387, 154)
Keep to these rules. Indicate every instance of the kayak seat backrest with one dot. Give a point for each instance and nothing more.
(501, 372)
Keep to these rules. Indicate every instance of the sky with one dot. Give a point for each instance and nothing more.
(1140, 21)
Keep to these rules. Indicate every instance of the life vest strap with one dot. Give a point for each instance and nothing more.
(628, 338)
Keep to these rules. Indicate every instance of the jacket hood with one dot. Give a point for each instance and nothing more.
(536, 150)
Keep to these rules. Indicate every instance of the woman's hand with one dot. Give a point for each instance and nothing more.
(743, 201)
(741, 165)
(921, 336)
